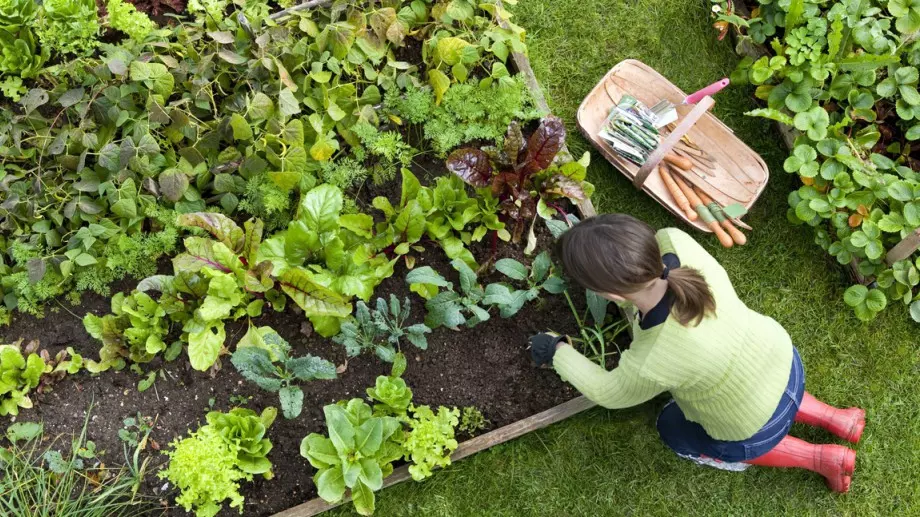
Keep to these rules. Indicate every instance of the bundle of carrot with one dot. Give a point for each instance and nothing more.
(696, 204)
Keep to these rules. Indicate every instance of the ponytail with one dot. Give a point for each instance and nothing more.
(616, 253)
(693, 298)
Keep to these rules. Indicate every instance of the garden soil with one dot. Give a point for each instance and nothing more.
(488, 367)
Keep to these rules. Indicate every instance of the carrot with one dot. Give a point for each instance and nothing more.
(676, 193)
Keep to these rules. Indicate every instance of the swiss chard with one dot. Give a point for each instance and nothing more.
(522, 174)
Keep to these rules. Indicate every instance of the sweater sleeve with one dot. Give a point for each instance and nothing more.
(620, 388)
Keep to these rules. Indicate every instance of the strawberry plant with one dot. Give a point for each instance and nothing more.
(845, 76)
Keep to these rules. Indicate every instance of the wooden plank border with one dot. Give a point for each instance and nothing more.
(511, 431)
(467, 448)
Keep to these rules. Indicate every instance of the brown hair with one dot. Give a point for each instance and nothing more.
(618, 254)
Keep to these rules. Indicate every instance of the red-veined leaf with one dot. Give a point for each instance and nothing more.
(471, 165)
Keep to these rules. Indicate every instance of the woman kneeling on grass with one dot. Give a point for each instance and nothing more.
(737, 381)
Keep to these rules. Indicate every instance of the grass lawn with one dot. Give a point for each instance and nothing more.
(611, 462)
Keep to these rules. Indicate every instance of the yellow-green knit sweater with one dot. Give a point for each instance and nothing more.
(727, 374)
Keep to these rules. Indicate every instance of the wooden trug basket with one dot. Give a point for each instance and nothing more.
(740, 162)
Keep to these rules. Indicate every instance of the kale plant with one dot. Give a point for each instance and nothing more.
(449, 308)
(263, 358)
(381, 330)
(510, 300)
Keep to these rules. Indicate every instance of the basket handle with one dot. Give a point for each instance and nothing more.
(665, 147)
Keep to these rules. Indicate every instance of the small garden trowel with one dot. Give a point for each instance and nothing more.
(666, 112)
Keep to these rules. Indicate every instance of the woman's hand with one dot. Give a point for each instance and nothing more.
(543, 347)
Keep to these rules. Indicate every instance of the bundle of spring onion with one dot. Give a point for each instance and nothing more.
(630, 130)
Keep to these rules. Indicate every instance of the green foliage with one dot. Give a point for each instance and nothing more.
(42, 477)
(19, 375)
(510, 300)
(324, 259)
(381, 330)
(345, 173)
(125, 142)
(389, 149)
(245, 431)
(391, 395)
(848, 83)
(263, 358)
(125, 18)
(69, 26)
(430, 439)
(357, 454)
(449, 308)
(204, 490)
(214, 280)
(472, 421)
(477, 111)
(19, 55)
(233, 446)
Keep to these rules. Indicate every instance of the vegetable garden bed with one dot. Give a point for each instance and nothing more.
(159, 351)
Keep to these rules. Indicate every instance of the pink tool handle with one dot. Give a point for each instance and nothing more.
(713, 88)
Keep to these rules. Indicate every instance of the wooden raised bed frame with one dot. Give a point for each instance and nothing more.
(503, 434)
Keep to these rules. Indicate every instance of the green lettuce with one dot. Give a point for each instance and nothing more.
(19, 375)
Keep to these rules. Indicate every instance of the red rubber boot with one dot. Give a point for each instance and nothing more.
(835, 462)
(845, 423)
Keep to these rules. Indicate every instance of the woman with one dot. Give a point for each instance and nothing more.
(737, 381)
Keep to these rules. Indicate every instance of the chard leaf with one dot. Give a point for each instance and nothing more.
(218, 225)
(472, 166)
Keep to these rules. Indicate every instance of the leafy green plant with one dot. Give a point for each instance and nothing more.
(19, 55)
(69, 26)
(19, 375)
(357, 454)
(325, 258)
(474, 111)
(381, 330)
(596, 337)
(344, 173)
(15, 14)
(125, 18)
(522, 176)
(263, 358)
(510, 300)
(430, 439)
(234, 447)
(449, 308)
(389, 149)
(390, 393)
(472, 421)
(846, 77)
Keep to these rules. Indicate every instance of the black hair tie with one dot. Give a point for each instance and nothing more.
(665, 273)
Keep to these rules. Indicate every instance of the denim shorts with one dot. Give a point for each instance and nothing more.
(688, 438)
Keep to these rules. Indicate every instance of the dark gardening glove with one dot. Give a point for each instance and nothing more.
(543, 347)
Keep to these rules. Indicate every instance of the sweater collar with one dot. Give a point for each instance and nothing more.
(660, 312)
